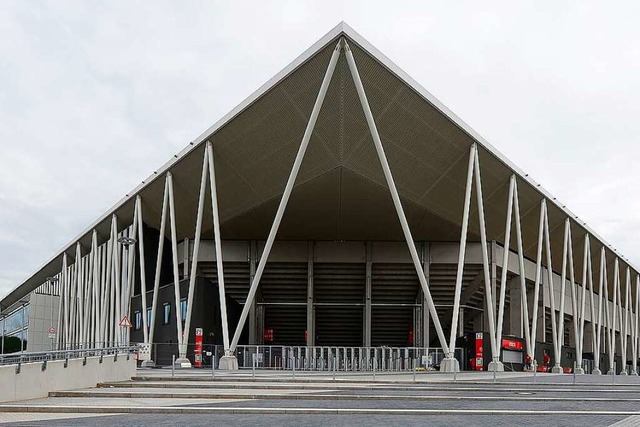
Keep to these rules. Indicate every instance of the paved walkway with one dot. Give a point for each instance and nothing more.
(164, 397)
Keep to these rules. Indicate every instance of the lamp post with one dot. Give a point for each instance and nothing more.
(52, 280)
(3, 326)
(127, 242)
(23, 329)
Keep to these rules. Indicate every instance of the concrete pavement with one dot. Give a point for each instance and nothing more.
(156, 396)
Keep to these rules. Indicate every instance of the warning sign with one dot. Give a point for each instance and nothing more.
(124, 322)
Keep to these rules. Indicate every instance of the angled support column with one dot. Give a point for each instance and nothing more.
(536, 283)
(127, 294)
(143, 271)
(450, 364)
(523, 281)
(624, 330)
(578, 335)
(609, 317)
(67, 299)
(554, 327)
(181, 361)
(283, 202)
(117, 275)
(495, 351)
(463, 246)
(95, 288)
(505, 260)
(587, 280)
(426, 321)
(634, 348)
(567, 258)
(196, 253)
(156, 280)
(218, 242)
(597, 325)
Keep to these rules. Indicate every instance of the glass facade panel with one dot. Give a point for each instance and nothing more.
(16, 320)
(137, 322)
(166, 318)
(183, 309)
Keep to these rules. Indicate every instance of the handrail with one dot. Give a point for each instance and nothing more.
(39, 356)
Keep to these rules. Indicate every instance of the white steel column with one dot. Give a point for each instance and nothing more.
(523, 282)
(610, 317)
(143, 278)
(131, 255)
(283, 204)
(182, 361)
(95, 282)
(194, 265)
(634, 348)
(117, 266)
(563, 278)
(586, 280)
(218, 243)
(505, 259)
(398, 205)
(598, 326)
(577, 332)
(156, 280)
(487, 279)
(536, 284)
(67, 299)
(554, 327)
(161, 238)
(426, 321)
(462, 249)
(624, 330)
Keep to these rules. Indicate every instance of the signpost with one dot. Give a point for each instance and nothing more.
(52, 335)
(198, 350)
(125, 322)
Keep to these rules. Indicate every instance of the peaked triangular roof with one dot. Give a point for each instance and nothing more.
(340, 193)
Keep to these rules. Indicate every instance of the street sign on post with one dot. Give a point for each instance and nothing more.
(124, 322)
(52, 332)
(198, 350)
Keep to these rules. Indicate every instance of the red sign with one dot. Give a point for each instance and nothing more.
(268, 335)
(479, 365)
(510, 344)
(124, 322)
(198, 349)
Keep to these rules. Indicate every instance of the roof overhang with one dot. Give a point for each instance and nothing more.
(340, 193)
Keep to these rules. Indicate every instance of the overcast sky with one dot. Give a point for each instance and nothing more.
(94, 96)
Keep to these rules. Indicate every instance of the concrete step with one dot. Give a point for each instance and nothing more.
(177, 410)
(461, 387)
(288, 396)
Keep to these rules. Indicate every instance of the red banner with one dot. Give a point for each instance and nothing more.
(479, 365)
(198, 349)
(268, 335)
(510, 344)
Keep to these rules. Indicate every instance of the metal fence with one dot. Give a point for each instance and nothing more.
(351, 359)
(78, 353)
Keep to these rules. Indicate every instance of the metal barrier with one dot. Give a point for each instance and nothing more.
(43, 356)
(300, 358)
(362, 359)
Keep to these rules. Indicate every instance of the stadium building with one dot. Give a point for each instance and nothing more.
(341, 206)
